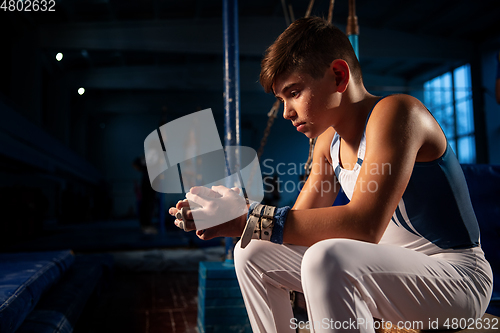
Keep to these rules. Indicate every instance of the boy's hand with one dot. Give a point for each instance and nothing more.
(220, 206)
(186, 222)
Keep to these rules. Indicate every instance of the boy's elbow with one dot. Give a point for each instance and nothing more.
(369, 225)
(371, 236)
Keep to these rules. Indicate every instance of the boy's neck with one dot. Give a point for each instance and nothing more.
(356, 104)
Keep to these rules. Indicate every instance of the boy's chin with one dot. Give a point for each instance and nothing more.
(311, 135)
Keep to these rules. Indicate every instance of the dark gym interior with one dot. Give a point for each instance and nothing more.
(84, 83)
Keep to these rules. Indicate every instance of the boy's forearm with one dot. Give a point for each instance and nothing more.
(306, 227)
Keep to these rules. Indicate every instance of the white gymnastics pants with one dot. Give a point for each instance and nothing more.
(347, 283)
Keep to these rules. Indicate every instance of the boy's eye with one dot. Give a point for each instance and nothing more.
(294, 93)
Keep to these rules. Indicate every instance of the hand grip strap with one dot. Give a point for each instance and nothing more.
(259, 225)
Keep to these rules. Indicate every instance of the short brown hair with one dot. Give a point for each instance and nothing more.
(308, 45)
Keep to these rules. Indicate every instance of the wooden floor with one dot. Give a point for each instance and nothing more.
(145, 302)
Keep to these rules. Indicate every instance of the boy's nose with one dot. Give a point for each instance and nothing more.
(288, 112)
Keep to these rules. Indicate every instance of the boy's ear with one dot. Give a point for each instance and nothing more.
(340, 69)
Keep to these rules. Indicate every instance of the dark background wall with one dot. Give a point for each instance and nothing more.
(68, 158)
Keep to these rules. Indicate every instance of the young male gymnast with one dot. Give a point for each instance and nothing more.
(405, 249)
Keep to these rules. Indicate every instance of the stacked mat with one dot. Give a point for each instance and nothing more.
(45, 292)
(24, 277)
(220, 303)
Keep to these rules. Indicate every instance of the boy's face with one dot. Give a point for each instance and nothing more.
(308, 102)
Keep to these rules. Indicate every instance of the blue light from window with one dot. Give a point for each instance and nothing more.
(449, 98)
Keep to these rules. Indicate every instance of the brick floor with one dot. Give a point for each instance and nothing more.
(145, 302)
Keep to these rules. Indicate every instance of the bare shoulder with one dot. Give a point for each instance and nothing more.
(401, 106)
(403, 117)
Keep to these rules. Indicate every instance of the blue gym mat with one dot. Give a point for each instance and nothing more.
(59, 310)
(24, 277)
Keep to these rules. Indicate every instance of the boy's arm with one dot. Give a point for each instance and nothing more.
(394, 137)
(321, 188)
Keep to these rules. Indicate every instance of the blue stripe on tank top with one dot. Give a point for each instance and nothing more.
(337, 171)
(402, 221)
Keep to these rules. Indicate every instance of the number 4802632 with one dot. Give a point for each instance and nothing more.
(28, 5)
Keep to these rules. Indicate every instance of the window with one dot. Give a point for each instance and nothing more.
(449, 98)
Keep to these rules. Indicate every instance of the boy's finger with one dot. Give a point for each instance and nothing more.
(202, 191)
(188, 214)
(172, 211)
(199, 216)
(182, 203)
(206, 234)
(196, 199)
(196, 189)
(184, 214)
(221, 189)
(185, 203)
(185, 225)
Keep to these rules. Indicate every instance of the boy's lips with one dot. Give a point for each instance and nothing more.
(299, 126)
